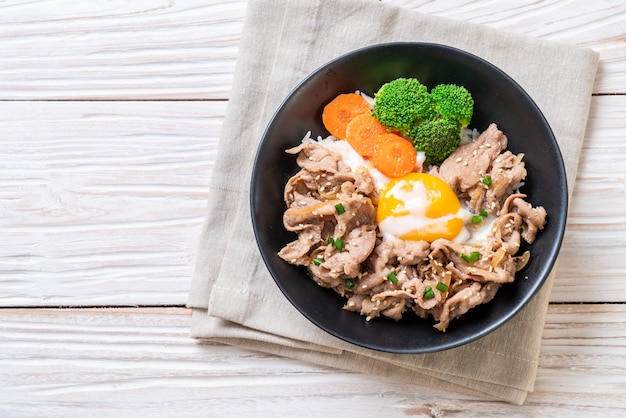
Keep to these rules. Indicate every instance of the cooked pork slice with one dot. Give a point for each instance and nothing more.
(492, 175)
(492, 264)
(469, 163)
(316, 158)
(464, 300)
(347, 262)
(389, 252)
(325, 172)
(334, 220)
(534, 218)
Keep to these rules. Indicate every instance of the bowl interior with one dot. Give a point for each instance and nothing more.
(497, 99)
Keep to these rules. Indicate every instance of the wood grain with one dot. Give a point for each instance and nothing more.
(105, 362)
(174, 49)
(119, 50)
(593, 255)
(103, 203)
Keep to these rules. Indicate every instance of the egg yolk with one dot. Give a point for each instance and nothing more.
(419, 207)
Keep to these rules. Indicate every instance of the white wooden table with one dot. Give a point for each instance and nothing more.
(109, 119)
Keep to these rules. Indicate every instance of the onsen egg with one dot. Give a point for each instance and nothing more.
(420, 207)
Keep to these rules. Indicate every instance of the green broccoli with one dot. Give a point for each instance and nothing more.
(436, 138)
(402, 103)
(453, 102)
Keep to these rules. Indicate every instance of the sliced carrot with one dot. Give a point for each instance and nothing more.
(362, 132)
(394, 156)
(341, 110)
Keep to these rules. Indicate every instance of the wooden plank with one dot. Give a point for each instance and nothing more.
(102, 203)
(593, 255)
(119, 50)
(187, 50)
(97, 362)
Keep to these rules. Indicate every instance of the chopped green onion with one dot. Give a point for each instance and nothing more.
(473, 256)
(317, 261)
(476, 219)
(392, 277)
(340, 209)
(339, 244)
(349, 284)
(442, 287)
(428, 293)
(486, 181)
(331, 241)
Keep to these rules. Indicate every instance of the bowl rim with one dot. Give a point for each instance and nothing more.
(554, 247)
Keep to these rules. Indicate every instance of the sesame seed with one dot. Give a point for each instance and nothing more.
(459, 159)
(465, 163)
(364, 286)
(488, 145)
(314, 213)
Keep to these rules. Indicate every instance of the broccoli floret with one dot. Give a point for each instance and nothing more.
(453, 102)
(436, 138)
(402, 103)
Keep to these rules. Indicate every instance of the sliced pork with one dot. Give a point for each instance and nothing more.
(332, 209)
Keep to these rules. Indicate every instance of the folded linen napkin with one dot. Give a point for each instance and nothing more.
(234, 299)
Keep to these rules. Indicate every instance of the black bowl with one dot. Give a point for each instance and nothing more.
(498, 98)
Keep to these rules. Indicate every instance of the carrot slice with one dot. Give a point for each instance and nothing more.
(338, 113)
(362, 133)
(394, 156)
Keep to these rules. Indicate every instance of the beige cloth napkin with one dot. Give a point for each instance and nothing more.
(234, 299)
